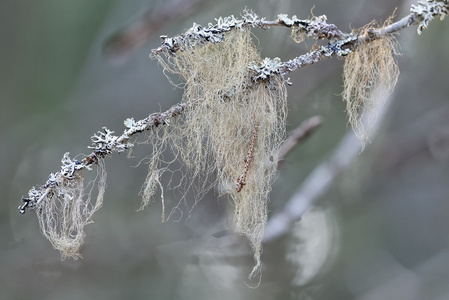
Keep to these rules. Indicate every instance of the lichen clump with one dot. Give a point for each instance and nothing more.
(66, 206)
(370, 75)
(228, 137)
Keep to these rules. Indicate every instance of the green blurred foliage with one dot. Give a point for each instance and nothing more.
(46, 46)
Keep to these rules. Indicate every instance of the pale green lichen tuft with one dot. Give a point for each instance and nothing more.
(65, 206)
(213, 137)
(370, 75)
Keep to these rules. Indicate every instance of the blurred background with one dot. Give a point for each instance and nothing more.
(68, 68)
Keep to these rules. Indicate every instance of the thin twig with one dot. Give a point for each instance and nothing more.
(241, 181)
(337, 47)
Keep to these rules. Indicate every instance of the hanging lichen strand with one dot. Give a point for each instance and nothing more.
(65, 206)
(370, 75)
(232, 132)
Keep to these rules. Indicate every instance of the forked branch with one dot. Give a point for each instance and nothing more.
(219, 102)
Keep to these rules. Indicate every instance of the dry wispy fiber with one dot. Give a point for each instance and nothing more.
(66, 208)
(297, 35)
(232, 132)
(370, 75)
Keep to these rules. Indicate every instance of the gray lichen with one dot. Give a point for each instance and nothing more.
(104, 142)
(214, 33)
(68, 169)
(428, 9)
(269, 67)
(317, 27)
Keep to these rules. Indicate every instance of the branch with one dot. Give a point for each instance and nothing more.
(105, 143)
(421, 15)
(214, 33)
(340, 43)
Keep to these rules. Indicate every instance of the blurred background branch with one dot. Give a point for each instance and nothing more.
(138, 33)
(299, 135)
(319, 181)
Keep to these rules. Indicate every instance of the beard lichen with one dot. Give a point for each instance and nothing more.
(67, 206)
(297, 35)
(370, 75)
(228, 136)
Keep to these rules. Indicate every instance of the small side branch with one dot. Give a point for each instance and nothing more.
(336, 47)
(316, 27)
(241, 181)
(341, 44)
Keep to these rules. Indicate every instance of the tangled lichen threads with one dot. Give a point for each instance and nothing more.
(264, 109)
(67, 207)
(370, 75)
(241, 181)
(297, 35)
(214, 136)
